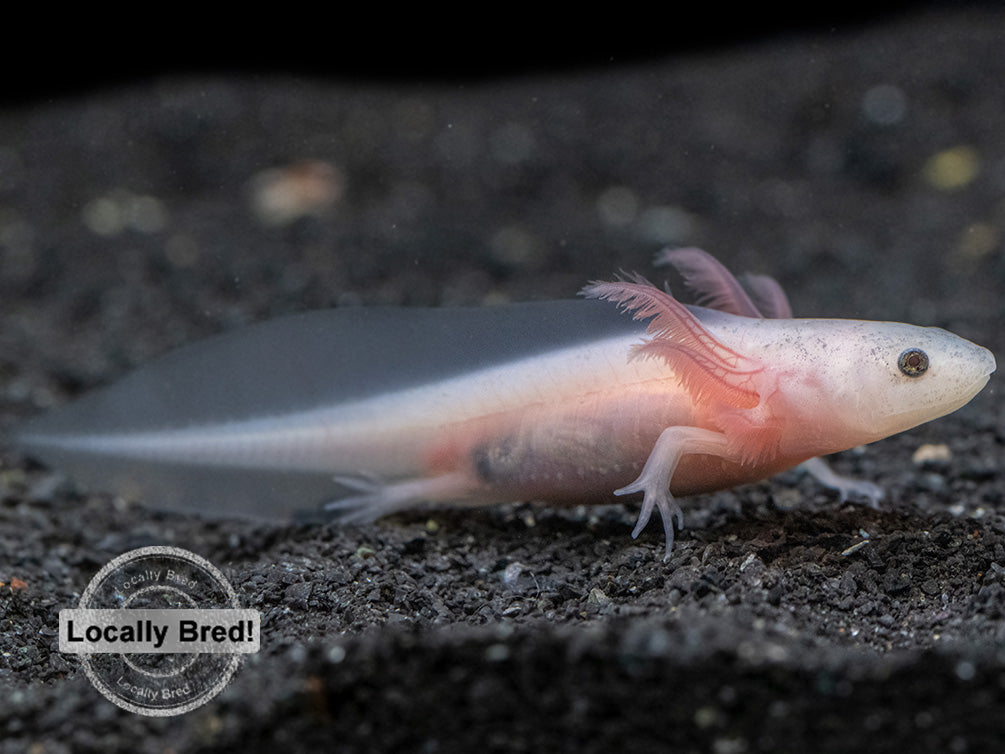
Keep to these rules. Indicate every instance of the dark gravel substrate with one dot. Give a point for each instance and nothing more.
(866, 171)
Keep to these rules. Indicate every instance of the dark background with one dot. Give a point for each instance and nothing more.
(858, 158)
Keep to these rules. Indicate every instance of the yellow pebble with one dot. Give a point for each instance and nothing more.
(952, 168)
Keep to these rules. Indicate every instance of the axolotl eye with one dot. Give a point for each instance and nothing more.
(913, 362)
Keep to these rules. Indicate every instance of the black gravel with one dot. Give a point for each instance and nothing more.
(865, 170)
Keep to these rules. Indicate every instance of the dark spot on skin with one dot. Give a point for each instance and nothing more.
(913, 362)
(483, 467)
(493, 460)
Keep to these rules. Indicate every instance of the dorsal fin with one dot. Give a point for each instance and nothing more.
(713, 285)
(707, 369)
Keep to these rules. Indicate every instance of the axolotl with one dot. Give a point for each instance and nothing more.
(367, 411)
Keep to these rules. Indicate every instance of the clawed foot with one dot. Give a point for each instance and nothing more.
(846, 487)
(377, 497)
(655, 495)
(853, 489)
(361, 507)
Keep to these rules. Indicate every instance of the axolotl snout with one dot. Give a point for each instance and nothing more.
(365, 412)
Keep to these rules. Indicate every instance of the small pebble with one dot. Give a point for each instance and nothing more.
(930, 453)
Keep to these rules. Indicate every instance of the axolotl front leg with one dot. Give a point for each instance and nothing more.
(846, 487)
(675, 443)
(654, 481)
(730, 394)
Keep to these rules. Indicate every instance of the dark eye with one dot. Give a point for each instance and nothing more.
(913, 362)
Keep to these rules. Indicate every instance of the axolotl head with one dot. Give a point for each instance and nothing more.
(880, 378)
(822, 385)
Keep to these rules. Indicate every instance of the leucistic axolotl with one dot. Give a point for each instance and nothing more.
(366, 411)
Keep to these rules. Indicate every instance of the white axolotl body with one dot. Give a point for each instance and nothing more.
(375, 410)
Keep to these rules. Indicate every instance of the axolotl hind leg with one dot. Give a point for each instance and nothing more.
(375, 498)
